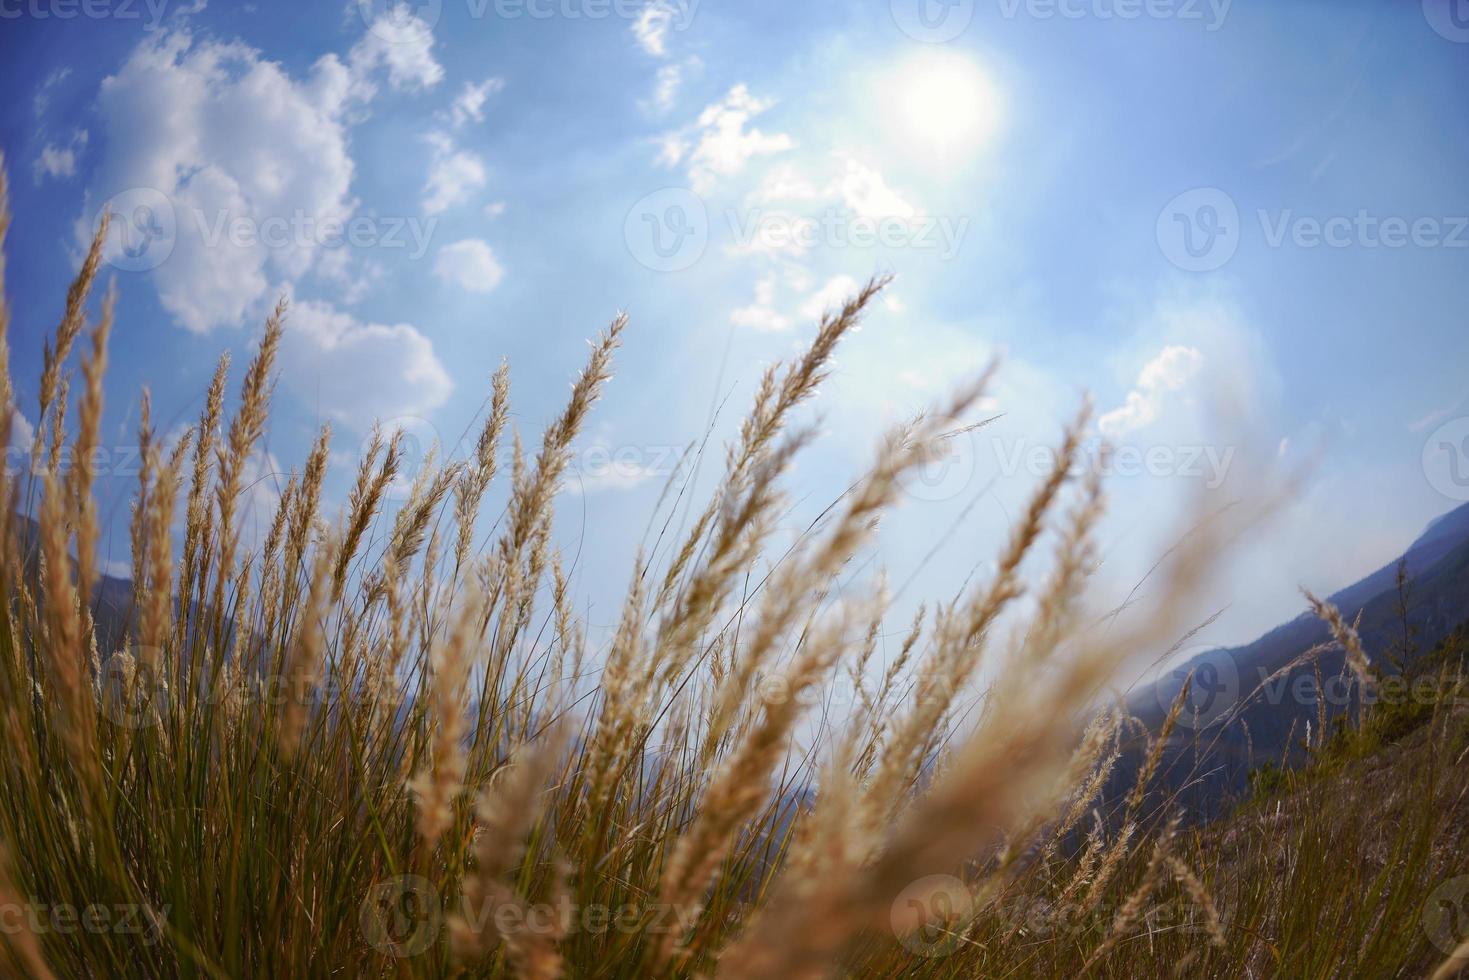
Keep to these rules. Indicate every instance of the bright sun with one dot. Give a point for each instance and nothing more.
(941, 106)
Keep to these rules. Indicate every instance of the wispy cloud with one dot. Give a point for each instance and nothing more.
(469, 104)
(1170, 371)
(470, 265)
(719, 144)
(58, 162)
(454, 174)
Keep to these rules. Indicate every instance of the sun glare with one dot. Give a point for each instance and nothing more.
(941, 106)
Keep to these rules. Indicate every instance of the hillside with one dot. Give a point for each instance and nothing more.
(1239, 723)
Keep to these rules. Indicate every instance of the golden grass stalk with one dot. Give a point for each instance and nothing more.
(666, 777)
(478, 475)
(506, 812)
(245, 431)
(20, 940)
(56, 351)
(83, 506)
(363, 503)
(1454, 965)
(199, 517)
(304, 663)
(1346, 635)
(1127, 916)
(438, 784)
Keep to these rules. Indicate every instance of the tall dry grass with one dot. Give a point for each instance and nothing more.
(370, 745)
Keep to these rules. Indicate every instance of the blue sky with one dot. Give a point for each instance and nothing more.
(1240, 226)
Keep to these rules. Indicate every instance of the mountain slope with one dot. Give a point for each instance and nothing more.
(1231, 724)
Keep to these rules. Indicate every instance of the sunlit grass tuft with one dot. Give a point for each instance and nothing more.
(365, 745)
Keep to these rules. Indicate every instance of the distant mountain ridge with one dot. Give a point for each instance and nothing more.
(1213, 750)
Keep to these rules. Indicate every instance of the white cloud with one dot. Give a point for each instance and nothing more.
(785, 213)
(230, 140)
(836, 291)
(355, 372)
(852, 184)
(651, 28)
(1173, 368)
(238, 147)
(665, 93)
(354, 281)
(866, 192)
(469, 104)
(401, 43)
(22, 432)
(719, 144)
(776, 293)
(786, 183)
(59, 161)
(761, 314)
(1170, 371)
(494, 209)
(671, 149)
(453, 177)
(42, 100)
(470, 265)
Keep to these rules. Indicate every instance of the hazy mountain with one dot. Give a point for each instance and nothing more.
(1224, 732)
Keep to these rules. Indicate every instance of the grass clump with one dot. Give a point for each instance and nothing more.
(365, 746)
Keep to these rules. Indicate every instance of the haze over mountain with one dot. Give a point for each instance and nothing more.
(1231, 723)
